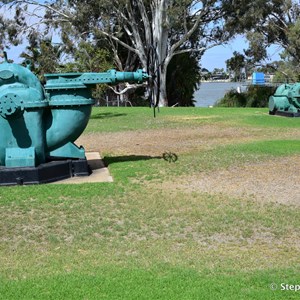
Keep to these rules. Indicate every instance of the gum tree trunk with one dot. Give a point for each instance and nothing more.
(139, 25)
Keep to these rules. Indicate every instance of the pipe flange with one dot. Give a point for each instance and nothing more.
(11, 105)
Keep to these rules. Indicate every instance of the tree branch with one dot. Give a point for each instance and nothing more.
(189, 50)
(146, 21)
(187, 35)
(45, 6)
(279, 20)
(118, 41)
(128, 88)
(136, 39)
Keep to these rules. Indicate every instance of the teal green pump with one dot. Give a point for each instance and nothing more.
(286, 101)
(39, 123)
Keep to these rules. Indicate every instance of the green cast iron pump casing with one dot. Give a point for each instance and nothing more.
(285, 99)
(40, 122)
(22, 103)
(70, 98)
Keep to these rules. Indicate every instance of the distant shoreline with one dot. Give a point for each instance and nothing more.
(217, 80)
(209, 92)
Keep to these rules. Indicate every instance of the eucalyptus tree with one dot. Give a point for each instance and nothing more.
(9, 34)
(236, 64)
(152, 31)
(183, 77)
(267, 23)
(44, 56)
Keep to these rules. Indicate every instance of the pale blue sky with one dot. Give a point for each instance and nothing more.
(216, 57)
(213, 58)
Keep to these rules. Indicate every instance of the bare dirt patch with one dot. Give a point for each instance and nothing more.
(156, 142)
(271, 181)
(275, 180)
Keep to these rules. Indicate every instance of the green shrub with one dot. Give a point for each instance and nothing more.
(258, 96)
(255, 96)
(233, 99)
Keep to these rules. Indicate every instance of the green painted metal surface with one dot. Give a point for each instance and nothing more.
(39, 122)
(21, 157)
(286, 99)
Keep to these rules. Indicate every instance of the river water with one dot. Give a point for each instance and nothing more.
(210, 92)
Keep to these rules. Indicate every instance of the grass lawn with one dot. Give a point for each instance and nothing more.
(203, 205)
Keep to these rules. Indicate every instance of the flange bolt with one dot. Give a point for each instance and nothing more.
(11, 105)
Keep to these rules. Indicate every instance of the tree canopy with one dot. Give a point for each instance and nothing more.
(151, 33)
(267, 23)
(160, 29)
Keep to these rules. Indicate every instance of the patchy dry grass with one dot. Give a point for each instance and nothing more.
(178, 140)
(271, 180)
(150, 226)
(220, 222)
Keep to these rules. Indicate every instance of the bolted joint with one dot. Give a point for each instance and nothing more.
(11, 106)
(138, 76)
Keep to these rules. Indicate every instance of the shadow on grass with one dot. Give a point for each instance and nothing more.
(167, 156)
(127, 158)
(106, 116)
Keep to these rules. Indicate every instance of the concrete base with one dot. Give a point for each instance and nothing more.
(287, 114)
(100, 172)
